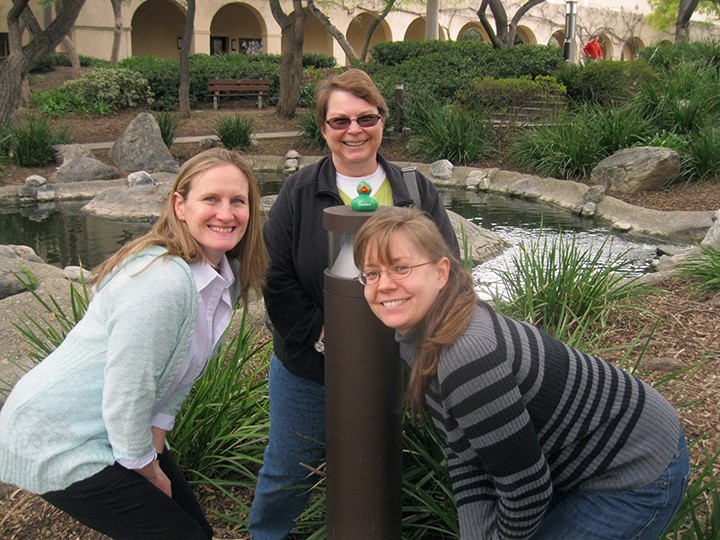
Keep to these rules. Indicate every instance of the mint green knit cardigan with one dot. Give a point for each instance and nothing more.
(91, 401)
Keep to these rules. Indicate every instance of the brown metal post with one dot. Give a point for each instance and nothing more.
(363, 402)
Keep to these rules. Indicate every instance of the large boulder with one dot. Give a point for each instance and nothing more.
(82, 169)
(141, 148)
(712, 238)
(644, 168)
(13, 263)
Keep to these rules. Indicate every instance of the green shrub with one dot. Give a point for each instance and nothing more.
(565, 288)
(436, 70)
(604, 83)
(310, 134)
(448, 132)
(168, 123)
(32, 139)
(682, 99)
(490, 95)
(667, 56)
(318, 60)
(577, 141)
(58, 101)
(118, 88)
(235, 132)
(703, 155)
(703, 271)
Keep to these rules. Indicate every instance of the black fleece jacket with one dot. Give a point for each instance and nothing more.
(297, 243)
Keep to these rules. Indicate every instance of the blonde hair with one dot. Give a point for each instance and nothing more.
(449, 315)
(353, 80)
(248, 258)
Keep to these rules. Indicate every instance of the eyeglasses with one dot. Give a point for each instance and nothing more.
(396, 273)
(343, 122)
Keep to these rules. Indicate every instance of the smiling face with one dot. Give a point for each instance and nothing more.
(404, 303)
(215, 210)
(354, 149)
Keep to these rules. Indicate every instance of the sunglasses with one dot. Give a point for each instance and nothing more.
(343, 122)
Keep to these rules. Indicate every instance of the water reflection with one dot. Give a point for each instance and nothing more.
(63, 235)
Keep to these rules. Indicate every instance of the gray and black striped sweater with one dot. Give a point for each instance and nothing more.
(523, 415)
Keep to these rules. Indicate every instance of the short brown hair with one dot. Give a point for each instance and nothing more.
(353, 80)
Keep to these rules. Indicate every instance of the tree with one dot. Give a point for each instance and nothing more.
(117, 31)
(184, 88)
(291, 70)
(23, 58)
(340, 37)
(677, 13)
(503, 34)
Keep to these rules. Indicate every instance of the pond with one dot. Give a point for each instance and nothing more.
(63, 235)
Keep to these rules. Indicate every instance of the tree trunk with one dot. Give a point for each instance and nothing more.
(117, 31)
(503, 35)
(333, 31)
(22, 59)
(682, 26)
(291, 59)
(184, 88)
(388, 6)
(431, 20)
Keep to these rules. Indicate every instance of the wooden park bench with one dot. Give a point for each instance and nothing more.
(238, 88)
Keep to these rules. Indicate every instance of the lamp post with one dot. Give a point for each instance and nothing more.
(363, 398)
(569, 49)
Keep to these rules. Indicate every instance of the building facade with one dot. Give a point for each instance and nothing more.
(155, 27)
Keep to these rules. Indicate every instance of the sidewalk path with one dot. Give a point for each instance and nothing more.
(198, 138)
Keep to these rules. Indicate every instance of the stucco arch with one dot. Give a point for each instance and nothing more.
(237, 28)
(416, 31)
(558, 38)
(526, 35)
(473, 26)
(316, 38)
(606, 45)
(156, 27)
(631, 48)
(358, 28)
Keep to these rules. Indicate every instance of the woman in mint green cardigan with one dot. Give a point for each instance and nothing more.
(86, 427)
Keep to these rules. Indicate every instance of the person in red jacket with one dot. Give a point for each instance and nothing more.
(593, 50)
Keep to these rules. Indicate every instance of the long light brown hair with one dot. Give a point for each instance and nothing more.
(248, 258)
(449, 315)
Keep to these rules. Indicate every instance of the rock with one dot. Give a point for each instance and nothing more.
(442, 169)
(594, 194)
(140, 203)
(482, 243)
(83, 169)
(45, 193)
(712, 238)
(77, 274)
(140, 178)
(208, 142)
(35, 181)
(477, 180)
(66, 152)
(141, 148)
(292, 154)
(13, 263)
(525, 187)
(644, 168)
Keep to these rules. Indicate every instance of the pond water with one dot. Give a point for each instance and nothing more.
(63, 235)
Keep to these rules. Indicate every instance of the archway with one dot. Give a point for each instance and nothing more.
(524, 34)
(358, 29)
(237, 29)
(558, 38)
(416, 31)
(157, 27)
(631, 48)
(473, 30)
(606, 46)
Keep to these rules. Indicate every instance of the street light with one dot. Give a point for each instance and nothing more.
(570, 16)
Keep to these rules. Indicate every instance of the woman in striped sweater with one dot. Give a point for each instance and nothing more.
(542, 440)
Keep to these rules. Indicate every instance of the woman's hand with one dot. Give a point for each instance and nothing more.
(156, 477)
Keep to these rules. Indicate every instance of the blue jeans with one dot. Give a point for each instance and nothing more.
(297, 436)
(633, 514)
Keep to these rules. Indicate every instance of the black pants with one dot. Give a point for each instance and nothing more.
(123, 504)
